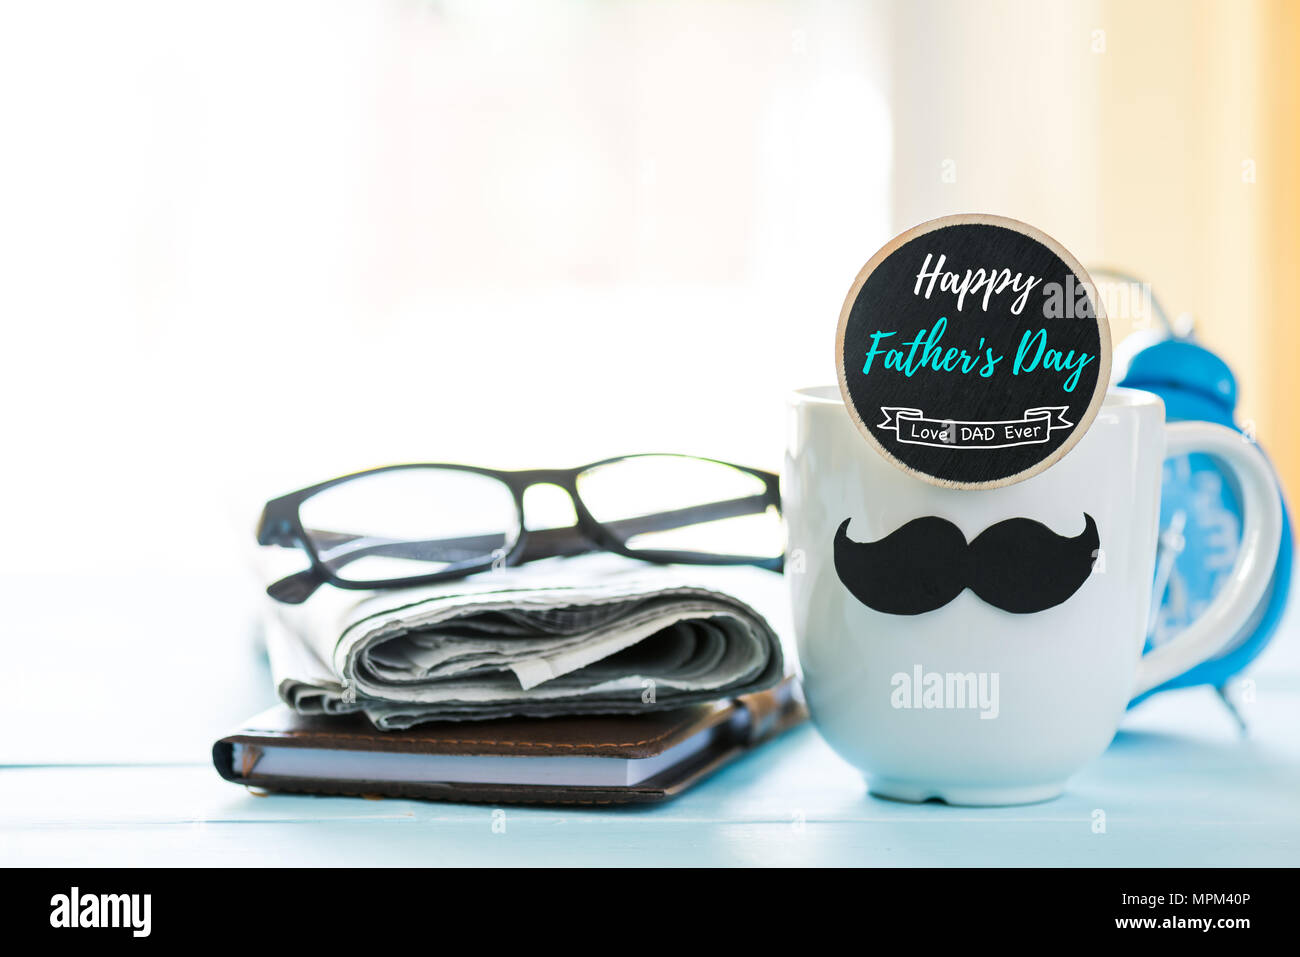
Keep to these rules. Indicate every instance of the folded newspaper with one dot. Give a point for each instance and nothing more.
(592, 634)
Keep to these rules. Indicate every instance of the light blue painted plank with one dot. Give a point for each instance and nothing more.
(1178, 788)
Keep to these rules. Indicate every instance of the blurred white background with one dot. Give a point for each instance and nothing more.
(248, 246)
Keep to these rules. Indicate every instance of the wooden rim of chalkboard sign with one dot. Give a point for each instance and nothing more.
(1081, 276)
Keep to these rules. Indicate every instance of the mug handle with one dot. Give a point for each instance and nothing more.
(1261, 536)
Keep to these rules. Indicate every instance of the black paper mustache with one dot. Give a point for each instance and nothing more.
(1018, 565)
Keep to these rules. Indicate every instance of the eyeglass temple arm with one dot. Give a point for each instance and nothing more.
(546, 543)
(541, 543)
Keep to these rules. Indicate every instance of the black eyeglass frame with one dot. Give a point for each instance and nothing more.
(281, 524)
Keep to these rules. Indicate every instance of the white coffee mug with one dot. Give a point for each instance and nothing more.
(967, 702)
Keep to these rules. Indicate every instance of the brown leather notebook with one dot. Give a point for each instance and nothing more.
(580, 759)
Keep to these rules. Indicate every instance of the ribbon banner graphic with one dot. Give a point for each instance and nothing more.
(912, 427)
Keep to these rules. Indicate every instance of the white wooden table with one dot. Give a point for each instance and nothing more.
(88, 778)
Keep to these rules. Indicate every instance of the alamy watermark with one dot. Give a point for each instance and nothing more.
(946, 690)
(75, 909)
(1127, 300)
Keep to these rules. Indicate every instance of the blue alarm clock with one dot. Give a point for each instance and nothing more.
(1200, 512)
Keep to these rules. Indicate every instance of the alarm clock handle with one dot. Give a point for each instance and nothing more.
(1261, 535)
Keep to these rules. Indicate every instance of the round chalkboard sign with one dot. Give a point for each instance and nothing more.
(972, 351)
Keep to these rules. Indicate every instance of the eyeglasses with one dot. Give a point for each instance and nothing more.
(416, 524)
